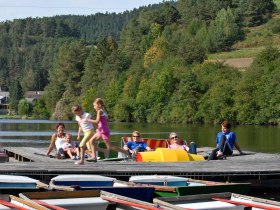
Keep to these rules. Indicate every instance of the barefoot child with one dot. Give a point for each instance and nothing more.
(70, 147)
(103, 130)
(88, 129)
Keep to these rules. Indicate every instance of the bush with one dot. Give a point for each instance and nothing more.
(24, 107)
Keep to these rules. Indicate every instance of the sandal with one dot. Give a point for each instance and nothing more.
(79, 163)
(92, 160)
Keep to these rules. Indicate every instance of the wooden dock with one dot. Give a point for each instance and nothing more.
(256, 167)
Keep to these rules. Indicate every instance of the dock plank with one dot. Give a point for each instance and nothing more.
(258, 165)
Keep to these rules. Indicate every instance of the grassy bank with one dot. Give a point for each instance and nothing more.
(257, 38)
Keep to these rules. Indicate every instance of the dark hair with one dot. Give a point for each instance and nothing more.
(226, 124)
(76, 108)
(59, 124)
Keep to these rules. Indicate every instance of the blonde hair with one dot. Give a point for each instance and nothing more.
(172, 134)
(101, 102)
(68, 135)
(136, 132)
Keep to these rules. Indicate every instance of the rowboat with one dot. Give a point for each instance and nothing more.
(13, 184)
(126, 203)
(75, 200)
(82, 180)
(88, 199)
(170, 186)
(225, 200)
(6, 204)
(160, 180)
(74, 182)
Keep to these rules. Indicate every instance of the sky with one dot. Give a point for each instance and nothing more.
(19, 9)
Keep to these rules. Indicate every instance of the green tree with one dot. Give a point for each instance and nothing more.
(223, 31)
(65, 79)
(16, 93)
(255, 12)
(39, 110)
(24, 108)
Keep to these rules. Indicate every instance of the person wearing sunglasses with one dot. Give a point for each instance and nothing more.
(136, 145)
(173, 137)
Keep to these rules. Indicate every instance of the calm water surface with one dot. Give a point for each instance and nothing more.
(37, 133)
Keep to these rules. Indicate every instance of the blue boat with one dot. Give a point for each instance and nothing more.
(77, 182)
(16, 182)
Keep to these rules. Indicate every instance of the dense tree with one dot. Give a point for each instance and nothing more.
(223, 31)
(65, 79)
(24, 107)
(16, 93)
(147, 64)
(255, 12)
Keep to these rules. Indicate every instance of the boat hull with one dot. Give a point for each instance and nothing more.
(168, 155)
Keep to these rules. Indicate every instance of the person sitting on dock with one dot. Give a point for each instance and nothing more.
(225, 141)
(173, 137)
(71, 148)
(57, 140)
(136, 145)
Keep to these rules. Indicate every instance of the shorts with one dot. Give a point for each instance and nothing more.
(87, 136)
(104, 136)
(62, 153)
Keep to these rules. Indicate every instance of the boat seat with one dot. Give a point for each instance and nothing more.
(151, 142)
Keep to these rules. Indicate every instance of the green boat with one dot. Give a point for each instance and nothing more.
(193, 187)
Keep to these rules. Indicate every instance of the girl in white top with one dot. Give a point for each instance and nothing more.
(88, 129)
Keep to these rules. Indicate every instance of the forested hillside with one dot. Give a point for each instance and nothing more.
(154, 71)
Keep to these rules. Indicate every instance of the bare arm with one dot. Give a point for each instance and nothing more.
(79, 132)
(96, 121)
(238, 148)
(52, 144)
(148, 148)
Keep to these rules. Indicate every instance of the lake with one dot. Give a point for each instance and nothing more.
(37, 133)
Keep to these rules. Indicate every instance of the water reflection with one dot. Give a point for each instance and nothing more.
(37, 133)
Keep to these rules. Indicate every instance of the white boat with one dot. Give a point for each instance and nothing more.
(84, 181)
(19, 182)
(75, 200)
(163, 180)
(227, 201)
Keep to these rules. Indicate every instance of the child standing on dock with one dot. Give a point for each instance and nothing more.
(85, 127)
(102, 131)
(71, 148)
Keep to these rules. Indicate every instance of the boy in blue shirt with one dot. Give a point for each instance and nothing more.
(225, 141)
